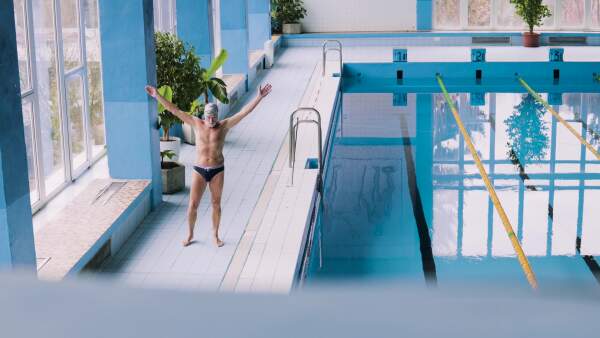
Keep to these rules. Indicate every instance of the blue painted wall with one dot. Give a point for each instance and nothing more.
(194, 26)
(16, 230)
(424, 15)
(128, 64)
(234, 35)
(259, 23)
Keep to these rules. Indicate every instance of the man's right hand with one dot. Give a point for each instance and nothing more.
(151, 91)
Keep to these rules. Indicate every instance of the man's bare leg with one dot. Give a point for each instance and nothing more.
(216, 190)
(196, 192)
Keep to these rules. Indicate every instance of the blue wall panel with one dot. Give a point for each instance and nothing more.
(424, 15)
(234, 35)
(194, 26)
(16, 230)
(259, 23)
(128, 64)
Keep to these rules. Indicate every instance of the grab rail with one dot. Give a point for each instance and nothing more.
(326, 49)
(490, 188)
(294, 138)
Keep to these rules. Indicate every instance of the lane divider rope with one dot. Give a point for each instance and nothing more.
(492, 192)
(559, 118)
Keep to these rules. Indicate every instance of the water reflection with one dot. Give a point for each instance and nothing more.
(369, 226)
(527, 132)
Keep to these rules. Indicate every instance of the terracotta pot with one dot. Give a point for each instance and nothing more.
(531, 39)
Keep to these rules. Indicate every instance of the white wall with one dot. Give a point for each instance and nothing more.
(360, 15)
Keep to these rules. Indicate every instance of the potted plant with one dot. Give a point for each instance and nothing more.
(177, 71)
(289, 13)
(173, 173)
(209, 84)
(532, 12)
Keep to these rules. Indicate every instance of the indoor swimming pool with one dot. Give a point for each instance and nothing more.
(404, 201)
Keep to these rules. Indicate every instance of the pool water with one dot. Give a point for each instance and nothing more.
(404, 201)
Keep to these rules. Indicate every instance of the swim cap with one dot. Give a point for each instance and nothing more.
(211, 109)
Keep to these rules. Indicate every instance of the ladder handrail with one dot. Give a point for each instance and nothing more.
(294, 135)
(326, 49)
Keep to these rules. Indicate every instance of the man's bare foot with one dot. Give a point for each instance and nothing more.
(219, 243)
(188, 241)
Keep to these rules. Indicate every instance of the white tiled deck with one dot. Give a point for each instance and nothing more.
(154, 255)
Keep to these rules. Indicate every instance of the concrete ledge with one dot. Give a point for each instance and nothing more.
(256, 65)
(97, 222)
(236, 88)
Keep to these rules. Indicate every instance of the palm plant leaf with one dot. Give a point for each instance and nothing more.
(216, 64)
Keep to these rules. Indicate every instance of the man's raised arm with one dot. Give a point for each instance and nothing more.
(235, 119)
(183, 116)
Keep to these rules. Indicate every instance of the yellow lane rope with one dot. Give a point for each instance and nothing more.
(492, 192)
(559, 118)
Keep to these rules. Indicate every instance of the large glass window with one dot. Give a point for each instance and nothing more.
(595, 14)
(71, 39)
(447, 13)
(22, 44)
(76, 121)
(165, 17)
(479, 13)
(500, 14)
(50, 121)
(63, 112)
(30, 145)
(94, 72)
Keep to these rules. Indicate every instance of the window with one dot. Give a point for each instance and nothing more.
(61, 81)
(500, 15)
(165, 16)
(595, 14)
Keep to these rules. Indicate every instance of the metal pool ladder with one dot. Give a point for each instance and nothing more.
(294, 124)
(327, 48)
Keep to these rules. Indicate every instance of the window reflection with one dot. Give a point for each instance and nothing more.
(546, 196)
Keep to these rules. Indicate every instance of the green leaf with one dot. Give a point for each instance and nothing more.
(197, 108)
(166, 92)
(219, 90)
(216, 64)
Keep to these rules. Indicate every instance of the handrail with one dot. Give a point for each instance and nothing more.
(559, 118)
(326, 49)
(294, 137)
(490, 188)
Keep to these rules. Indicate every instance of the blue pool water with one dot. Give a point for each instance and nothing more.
(404, 201)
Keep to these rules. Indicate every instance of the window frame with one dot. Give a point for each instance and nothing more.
(556, 25)
(70, 174)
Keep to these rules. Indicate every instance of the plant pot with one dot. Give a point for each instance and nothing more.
(531, 39)
(189, 136)
(173, 144)
(292, 28)
(173, 177)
